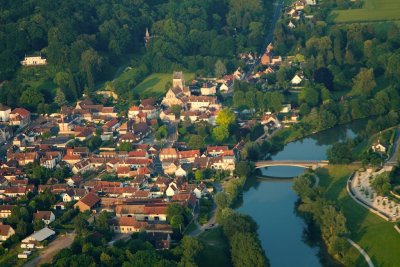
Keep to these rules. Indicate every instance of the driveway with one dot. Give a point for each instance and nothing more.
(47, 254)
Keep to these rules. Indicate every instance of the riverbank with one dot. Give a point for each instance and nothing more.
(376, 236)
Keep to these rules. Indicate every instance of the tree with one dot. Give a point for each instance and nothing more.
(162, 132)
(220, 69)
(196, 142)
(220, 133)
(246, 251)
(59, 98)
(324, 75)
(226, 118)
(243, 169)
(221, 200)
(125, 146)
(176, 110)
(31, 98)
(333, 223)
(177, 222)
(339, 153)
(363, 82)
(381, 184)
(198, 175)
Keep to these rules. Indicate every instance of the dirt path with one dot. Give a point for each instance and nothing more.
(46, 256)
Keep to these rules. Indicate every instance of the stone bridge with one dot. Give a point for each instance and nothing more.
(314, 164)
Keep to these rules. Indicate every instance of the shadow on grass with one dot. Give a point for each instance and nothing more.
(147, 84)
(216, 249)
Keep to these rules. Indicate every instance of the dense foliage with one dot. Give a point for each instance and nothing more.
(86, 41)
(317, 210)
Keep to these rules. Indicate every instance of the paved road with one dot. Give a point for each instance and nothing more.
(212, 221)
(367, 258)
(46, 256)
(393, 157)
(270, 35)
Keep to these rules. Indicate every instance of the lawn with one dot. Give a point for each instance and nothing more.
(376, 236)
(154, 85)
(373, 10)
(216, 251)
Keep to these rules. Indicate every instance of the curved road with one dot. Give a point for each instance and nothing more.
(365, 255)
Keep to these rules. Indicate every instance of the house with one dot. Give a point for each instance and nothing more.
(38, 237)
(208, 89)
(82, 166)
(170, 166)
(5, 210)
(133, 112)
(286, 108)
(188, 156)
(291, 25)
(73, 194)
(6, 232)
(4, 113)
(214, 151)
(88, 202)
(168, 153)
(46, 216)
(297, 79)
(172, 189)
(167, 115)
(266, 59)
(125, 225)
(180, 172)
(20, 117)
(378, 147)
(33, 61)
(60, 206)
(200, 190)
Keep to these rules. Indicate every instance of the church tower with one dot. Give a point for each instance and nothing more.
(178, 80)
(147, 37)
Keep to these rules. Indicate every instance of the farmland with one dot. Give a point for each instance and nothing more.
(372, 11)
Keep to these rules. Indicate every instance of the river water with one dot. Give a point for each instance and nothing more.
(271, 202)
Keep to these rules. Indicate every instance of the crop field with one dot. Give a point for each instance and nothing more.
(373, 10)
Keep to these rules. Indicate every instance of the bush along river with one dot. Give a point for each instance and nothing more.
(284, 236)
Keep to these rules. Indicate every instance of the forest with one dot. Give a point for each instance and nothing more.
(85, 42)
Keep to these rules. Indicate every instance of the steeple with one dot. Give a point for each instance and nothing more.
(147, 36)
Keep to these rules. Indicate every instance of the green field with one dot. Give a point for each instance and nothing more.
(154, 85)
(216, 249)
(373, 10)
(376, 236)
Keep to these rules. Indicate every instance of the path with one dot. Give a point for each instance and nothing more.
(47, 254)
(277, 13)
(211, 222)
(393, 158)
(366, 257)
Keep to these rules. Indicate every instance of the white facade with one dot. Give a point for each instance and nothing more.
(33, 61)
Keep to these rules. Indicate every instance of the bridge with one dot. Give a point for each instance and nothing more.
(313, 164)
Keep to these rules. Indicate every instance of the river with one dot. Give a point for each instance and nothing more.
(271, 203)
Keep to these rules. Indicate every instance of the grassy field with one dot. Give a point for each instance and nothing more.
(376, 236)
(216, 252)
(373, 10)
(154, 85)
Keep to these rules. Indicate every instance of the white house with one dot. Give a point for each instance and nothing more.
(4, 113)
(297, 79)
(33, 61)
(378, 147)
(172, 189)
(180, 172)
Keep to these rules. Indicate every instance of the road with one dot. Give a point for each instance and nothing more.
(47, 254)
(212, 221)
(393, 157)
(270, 35)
